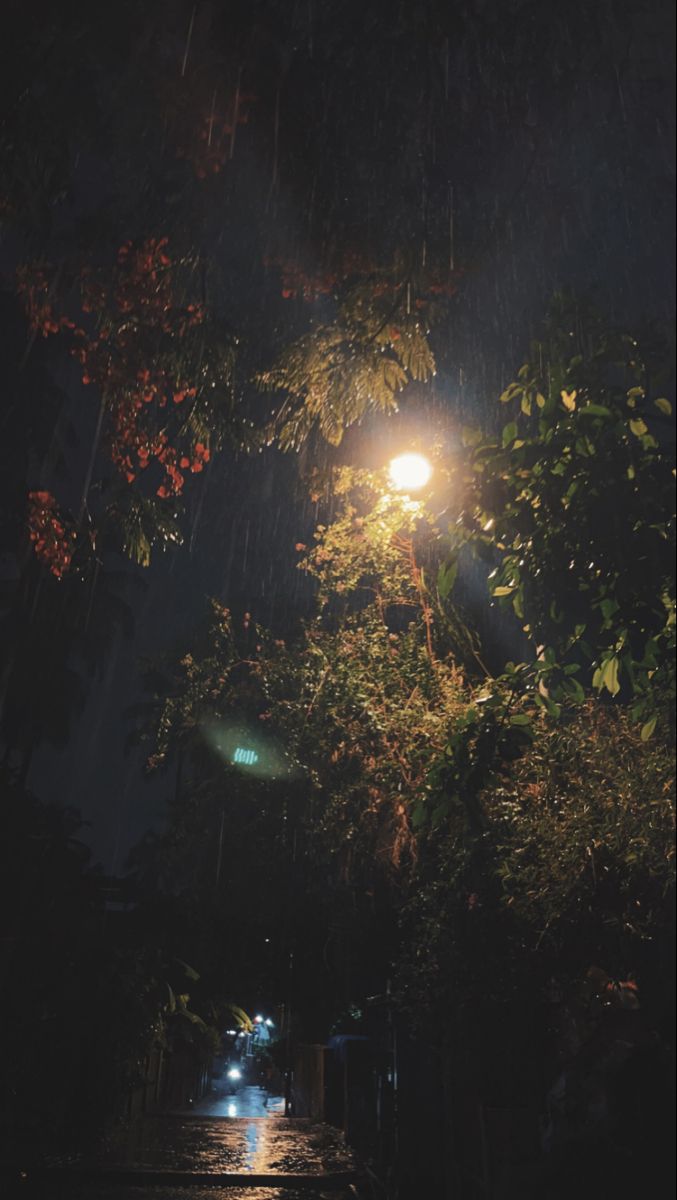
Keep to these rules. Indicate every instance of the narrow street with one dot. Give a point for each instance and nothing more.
(249, 1101)
(230, 1147)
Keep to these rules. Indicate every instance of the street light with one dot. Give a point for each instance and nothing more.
(409, 472)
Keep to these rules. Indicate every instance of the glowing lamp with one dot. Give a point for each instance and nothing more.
(409, 472)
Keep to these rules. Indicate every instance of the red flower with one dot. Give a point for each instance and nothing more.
(52, 538)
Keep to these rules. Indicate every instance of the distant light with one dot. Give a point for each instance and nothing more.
(235, 1073)
(258, 1020)
(269, 1022)
(232, 1110)
(409, 472)
(245, 757)
(231, 1032)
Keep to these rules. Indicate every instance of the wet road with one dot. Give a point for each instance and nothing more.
(112, 1191)
(249, 1146)
(247, 1102)
(229, 1148)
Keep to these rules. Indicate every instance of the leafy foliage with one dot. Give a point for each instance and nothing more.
(140, 522)
(576, 501)
(364, 710)
(369, 546)
(584, 821)
(163, 376)
(574, 864)
(49, 532)
(521, 838)
(361, 701)
(338, 372)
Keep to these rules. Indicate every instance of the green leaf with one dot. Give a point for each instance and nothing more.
(611, 676)
(503, 590)
(648, 728)
(446, 578)
(606, 676)
(512, 390)
(509, 434)
(638, 427)
(575, 690)
(664, 405)
(594, 410)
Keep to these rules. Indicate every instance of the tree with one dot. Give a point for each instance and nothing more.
(337, 373)
(517, 827)
(575, 505)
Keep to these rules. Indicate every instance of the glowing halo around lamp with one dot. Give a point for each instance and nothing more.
(409, 472)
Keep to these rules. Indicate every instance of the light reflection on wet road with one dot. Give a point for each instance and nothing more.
(248, 1146)
(247, 1102)
(104, 1191)
(210, 1153)
(161, 1192)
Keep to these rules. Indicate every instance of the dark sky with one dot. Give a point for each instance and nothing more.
(547, 129)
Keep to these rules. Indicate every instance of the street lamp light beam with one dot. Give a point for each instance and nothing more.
(409, 472)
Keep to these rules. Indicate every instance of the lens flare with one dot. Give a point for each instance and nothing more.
(249, 749)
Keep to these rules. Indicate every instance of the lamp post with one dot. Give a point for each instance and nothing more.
(409, 473)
